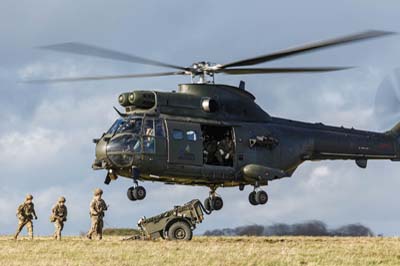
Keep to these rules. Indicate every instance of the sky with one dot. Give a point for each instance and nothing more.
(46, 130)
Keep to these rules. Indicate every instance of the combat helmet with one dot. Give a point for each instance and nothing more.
(61, 199)
(28, 197)
(98, 191)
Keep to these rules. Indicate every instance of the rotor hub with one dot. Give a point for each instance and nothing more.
(202, 70)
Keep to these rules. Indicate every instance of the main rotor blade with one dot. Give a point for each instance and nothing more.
(244, 71)
(309, 47)
(57, 80)
(95, 51)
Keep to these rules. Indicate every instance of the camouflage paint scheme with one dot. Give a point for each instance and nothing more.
(191, 213)
(254, 162)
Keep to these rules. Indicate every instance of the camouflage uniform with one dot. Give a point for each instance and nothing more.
(224, 151)
(97, 208)
(58, 216)
(210, 148)
(25, 214)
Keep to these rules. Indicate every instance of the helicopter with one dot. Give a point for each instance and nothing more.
(216, 135)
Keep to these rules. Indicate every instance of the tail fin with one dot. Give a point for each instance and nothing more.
(387, 101)
(394, 131)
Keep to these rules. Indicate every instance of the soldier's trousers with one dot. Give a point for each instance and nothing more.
(96, 227)
(59, 225)
(29, 226)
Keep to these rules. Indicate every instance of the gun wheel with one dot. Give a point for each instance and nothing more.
(180, 231)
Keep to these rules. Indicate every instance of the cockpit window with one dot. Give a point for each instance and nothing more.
(148, 136)
(121, 148)
(148, 129)
(160, 131)
(151, 126)
(133, 135)
(133, 125)
(126, 143)
(129, 125)
(191, 135)
(115, 126)
(177, 134)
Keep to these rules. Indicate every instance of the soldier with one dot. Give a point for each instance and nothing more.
(97, 209)
(58, 217)
(25, 214)
(224, 151)
(210, 148)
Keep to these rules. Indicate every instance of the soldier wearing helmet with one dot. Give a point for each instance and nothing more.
(26, 213)
(97, 208)
(59, 216)
(224, 152)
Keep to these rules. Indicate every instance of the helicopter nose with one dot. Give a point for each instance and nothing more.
(101, 155)
(121, 149)
(101, 152)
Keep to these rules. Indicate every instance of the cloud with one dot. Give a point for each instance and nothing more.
(25, 147)
(8, 206)
(319, 177)
(64, 67)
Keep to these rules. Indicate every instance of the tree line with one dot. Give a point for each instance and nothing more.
(308, 228)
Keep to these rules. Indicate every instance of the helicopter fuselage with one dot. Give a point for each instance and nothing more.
(217, 136)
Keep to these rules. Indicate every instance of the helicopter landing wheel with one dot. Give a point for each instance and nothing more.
(252, 198)
(136, 193)
(213, 203)
(139, 192)
(130, 194)
(261, 197)
(217, 203)
(207, 204)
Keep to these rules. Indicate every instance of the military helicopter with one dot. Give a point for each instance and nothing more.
(216, 135)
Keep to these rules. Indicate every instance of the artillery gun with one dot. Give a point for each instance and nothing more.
(175, 224)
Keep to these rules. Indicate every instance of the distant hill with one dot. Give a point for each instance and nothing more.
(309, 228)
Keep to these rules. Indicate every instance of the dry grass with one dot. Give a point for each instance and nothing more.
(203, 251)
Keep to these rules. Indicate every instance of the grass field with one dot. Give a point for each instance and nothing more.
(203, 251)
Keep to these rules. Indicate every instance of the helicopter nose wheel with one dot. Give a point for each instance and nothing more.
(136, 193)
(259, 197)
(129, 193)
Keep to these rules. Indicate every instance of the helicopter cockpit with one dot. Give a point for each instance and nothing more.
(131, 125)
(133, 135)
